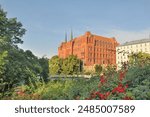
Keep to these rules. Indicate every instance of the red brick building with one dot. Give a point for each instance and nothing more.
(91, 49)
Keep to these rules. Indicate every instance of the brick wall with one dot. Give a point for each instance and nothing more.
(91, 49)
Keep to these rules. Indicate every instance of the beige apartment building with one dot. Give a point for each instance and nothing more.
(122, 51)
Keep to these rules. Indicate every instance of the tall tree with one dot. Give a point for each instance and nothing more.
(55, 64)
(16, 65)
(45, 68)
(10, 28)
(72, 65)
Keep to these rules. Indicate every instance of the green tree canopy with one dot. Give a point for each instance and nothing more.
(72, 65)
(10, 28)
(45, 68)
(98, 69)
(55, 64)
(136, 58)
(16, 65)
(68, 66)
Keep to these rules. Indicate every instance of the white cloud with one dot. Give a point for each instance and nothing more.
(123, 36)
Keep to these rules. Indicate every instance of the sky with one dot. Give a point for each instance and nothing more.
(47, 21)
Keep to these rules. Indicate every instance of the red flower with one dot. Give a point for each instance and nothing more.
(107, 94)
(119, 89)
(114, 90)
(102, 79)
(126, 86)
(103, 96)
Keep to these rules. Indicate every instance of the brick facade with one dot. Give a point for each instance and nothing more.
(91, 49)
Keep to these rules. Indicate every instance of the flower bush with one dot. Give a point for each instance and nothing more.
(111, 87)
(131, 82)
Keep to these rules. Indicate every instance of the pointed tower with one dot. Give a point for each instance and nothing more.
(65, 37)
(71, 35)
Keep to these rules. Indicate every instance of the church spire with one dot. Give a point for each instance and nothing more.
(71, 35)
(65, 37)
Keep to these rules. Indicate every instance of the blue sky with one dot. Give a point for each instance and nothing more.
(46, 21)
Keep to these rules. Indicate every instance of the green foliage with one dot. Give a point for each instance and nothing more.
(110, 70)
(55, 64)
(69, 66)
(139, 58)
(55, 90)
(98, 69)
(139, 81)
(138, 75)
(22, 74)
(45, 68)
(10, 28)
(3, 55)
(16, 65)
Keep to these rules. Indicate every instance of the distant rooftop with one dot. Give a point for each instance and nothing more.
(136, 42)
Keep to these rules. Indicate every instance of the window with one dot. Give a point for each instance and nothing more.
(90, 48)
(89, 60)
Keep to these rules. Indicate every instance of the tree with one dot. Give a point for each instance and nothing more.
(138, 75)
(136, 58)
(72, 65)
(16, 65)
(98, 69)
(45, 68)
(10, 28)
(138, 79)
(2, 68)
(55, 64)
(68, 66)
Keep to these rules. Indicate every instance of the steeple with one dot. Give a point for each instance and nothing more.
(65, 37)
(71, 35)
